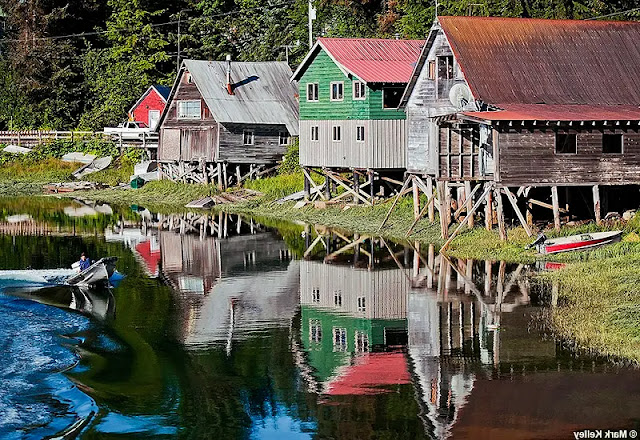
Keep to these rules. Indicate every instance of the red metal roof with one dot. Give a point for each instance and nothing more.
(544, 112)
(370, 374)
(534, 61)
(375, 60)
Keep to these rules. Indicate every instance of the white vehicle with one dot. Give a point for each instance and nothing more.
(130, 131)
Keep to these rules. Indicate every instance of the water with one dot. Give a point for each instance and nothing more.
(230, 328)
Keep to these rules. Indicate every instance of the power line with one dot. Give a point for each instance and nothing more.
(174, 22)
(628, 11)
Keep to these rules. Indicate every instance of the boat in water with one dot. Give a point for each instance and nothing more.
(96, 274)
(577, 242)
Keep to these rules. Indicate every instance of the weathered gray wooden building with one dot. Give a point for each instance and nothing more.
(519, 105)
(225, 121)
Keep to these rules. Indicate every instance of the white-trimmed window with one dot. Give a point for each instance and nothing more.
(337, 298)
(339, 339)
(359, 91)
(337, 91)
(312, 92)
(362, 304)
(360, 133)
(315, 331)
(190, 109)
(315, 295)
(285, 139)
(362, 342)
(337, 133)
(315, 133)
(248, 137)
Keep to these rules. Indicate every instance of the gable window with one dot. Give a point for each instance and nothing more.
(189, 109)
(339, 339)
(359, 91)
(312, 92)
(337, 91)
(315, 133)
(248, 137)
(391, 97)
(566, 143)
(612, 144)
(337, 133)
(360, 133)
(284, 138)
(432, 69)
(445, 67)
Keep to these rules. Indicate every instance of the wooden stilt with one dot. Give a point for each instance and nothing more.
(469, 202)
(447, 204)
(596, 204)
(529, 214)
(461, 225)
(415, 222)
(225, 181)
(556, 207)
(327, 187)
(238, 175)
(405, 185)
(502, 230)
(307, 184)
(431, 204)
(442, 198)
(416, 200)
(219, 172)
(371, 176)
(356, 187)
(488, 212)
(514, 204)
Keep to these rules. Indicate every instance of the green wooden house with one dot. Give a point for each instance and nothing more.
(350, 90)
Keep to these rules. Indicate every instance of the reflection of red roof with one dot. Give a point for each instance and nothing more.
(375, 60)
(150, 257)
(370, 373)
(530, 61)
(543, 112)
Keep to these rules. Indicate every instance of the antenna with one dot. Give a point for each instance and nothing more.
(437, 6)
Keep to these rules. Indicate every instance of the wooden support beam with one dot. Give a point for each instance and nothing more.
(225, 181)
(529, 214)
(421, 214)
(488, 212)
(596, 204)
(469, 202)
(546, 205)
(405, 185)
(345, 248)
(556, 208)
(307, 184)
(339, 182)
(431, 204)
(356, 187)
(416, 200)
(502, 230)
(327, 187)
(514, 204)
(444, 224)
(219, 171)
(316, 188)
(371, 175)
(461, 225)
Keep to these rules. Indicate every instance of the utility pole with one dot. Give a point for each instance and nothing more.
(312, 16)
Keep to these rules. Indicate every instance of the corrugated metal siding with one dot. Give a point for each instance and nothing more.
(385, 291)
(529, 61)
(384, 146)
(263, 93)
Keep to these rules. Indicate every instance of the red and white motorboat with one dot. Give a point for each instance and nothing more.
(575, 242)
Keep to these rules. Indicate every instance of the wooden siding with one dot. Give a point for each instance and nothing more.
(385, 292)
(324, 71)
(529, 158)
(460, 155)
(266, 147)
(429, 99)
(384, 146)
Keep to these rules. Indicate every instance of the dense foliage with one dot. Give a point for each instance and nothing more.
(83, 63)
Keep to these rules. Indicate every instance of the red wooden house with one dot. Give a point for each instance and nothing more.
(150, 105)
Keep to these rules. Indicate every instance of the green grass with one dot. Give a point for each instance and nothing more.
(45, 171)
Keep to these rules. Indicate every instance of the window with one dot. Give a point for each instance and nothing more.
(432, 69)
(337, 134)
(359, 91)
(189, 109)
(339, 339)
(337, 91)
(360, 133)
(362, 342)
(315, 133)
(312, 92)
(612, 144)
(566, 143)
(248, 138)
(284, 138)
(391, 97)
(315, 330)
(315, 295)
(337, 298)
(445, 67)
(362, 306)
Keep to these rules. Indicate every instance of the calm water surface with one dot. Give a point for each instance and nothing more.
(228, 328)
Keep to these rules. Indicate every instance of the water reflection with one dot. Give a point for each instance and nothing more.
(226, 327)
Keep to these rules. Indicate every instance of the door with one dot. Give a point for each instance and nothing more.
(154, 117)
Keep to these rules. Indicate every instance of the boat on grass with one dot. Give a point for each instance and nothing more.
(577, 242)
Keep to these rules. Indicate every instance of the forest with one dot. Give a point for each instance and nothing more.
(67, 64)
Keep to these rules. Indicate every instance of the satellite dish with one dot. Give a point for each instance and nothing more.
(460, 96)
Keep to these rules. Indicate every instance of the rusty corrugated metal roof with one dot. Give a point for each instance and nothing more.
(372, 60)
(536, 61)
(545, 112)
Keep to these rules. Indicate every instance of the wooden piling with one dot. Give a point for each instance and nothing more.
(596, 204)
(356, 187)
(307, 186)
(219, 172)
(442, 199)
(488, 212)
(431, 212)
(502, 230)
(416, 200)
(327, 187)
(467, 193)
(371, 176)
(556, 207)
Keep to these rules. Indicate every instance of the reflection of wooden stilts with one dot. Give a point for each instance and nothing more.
(488, 266)
(431, 262)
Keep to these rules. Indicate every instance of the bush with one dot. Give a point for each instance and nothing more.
(291, 159)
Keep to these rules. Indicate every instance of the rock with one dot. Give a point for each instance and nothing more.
(300, 204)
(320, 205)
(628, 215)
(612, 215)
